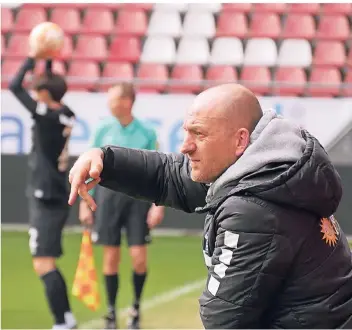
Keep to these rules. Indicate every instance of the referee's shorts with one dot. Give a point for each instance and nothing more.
(117, 212)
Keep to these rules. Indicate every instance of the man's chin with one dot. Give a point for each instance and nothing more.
(197, 177)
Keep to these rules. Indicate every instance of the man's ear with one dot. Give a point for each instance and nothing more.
(243, 138)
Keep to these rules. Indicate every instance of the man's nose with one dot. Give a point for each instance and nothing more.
(187, 147)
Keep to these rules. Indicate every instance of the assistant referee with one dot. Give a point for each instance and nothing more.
(116, 210)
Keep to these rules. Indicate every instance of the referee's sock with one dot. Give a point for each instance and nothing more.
(56, 293)
(111, 285)
(138, 283)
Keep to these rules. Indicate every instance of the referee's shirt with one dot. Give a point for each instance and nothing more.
(137, 135)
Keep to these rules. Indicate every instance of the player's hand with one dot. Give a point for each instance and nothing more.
(85, 214)
(155, 216)
(37, 52)
(88, 166)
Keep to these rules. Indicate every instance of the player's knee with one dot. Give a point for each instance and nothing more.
(43, 265)
(111, 259)
(139, 259)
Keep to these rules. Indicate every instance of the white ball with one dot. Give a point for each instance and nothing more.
(47, 37)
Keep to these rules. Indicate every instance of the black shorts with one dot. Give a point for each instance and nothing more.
(47, 220)
(116, 212)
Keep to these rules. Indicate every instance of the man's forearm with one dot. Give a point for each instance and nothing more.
(134, 172)
(17, 81)
(16, 86)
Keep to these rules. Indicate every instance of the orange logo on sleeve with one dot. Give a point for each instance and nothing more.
(329, 230)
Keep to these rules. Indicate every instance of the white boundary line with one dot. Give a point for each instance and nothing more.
(152, 302)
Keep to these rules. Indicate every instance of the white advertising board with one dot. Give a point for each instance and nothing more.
(324, 118)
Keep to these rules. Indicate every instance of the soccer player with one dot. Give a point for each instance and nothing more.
(119, 211)
(47, 187)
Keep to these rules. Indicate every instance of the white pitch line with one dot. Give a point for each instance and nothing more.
(152, 302)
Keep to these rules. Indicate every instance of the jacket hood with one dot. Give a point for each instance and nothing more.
(283, 164)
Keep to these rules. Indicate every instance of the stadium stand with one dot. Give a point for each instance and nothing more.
(269, 45)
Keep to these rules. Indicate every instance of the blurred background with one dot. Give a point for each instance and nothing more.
(296, 57)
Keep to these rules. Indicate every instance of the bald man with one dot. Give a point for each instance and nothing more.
(276, 256)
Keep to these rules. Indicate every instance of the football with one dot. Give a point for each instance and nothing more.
(47, 39)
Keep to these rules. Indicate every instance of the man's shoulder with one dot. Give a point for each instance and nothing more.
(250, 211)
(146, 127)
(105, 123)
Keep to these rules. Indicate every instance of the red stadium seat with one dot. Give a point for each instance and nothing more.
(221, 74)
(286, 76)
(83, 75)
(333, 28)
(237, 7)
(125, 49)
(6, 19)
(328, 76)
(270, 7)
(136, 6)
(347, 90)
(265, 26)
(67, 50)
(90, 48)
(256, 79)
(67, 18)
(299, 26)
(28, 18)
(232, 24)
(114, 72)
(303, 8)
(157, 72)
(97, 21)
(8, 69)
(329, 54)
(336, 8)
(17, 46)
(131, 23)
(58, 67)
(186, 79)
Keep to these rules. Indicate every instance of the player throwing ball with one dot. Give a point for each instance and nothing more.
(47, 186)
(118, 211)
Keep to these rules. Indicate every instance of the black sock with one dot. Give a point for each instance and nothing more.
(112, 285)
(67, 302)
(56, 294)
(138, 283)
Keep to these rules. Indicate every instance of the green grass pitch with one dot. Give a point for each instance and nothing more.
(173, 262)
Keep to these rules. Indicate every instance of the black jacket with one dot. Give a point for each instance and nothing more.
(276, 256)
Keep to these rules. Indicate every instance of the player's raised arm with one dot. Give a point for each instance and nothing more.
(17, 88)
(154, 176)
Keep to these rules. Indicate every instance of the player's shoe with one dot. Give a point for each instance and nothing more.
(110, 321)
(133, 320)
(70, 321)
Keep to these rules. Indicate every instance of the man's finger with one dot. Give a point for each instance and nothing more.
(83, 192)
(76, 181)
(96, 168)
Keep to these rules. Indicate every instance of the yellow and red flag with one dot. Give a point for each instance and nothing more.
(85, 284)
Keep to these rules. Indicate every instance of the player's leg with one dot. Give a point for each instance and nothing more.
(111, 261)
(138, 237)
(46, 224)
(107, 232)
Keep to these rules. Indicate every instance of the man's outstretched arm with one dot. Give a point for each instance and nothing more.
(150, 175)
(163, 179)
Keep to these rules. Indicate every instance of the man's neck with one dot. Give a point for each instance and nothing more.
(125, 121)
